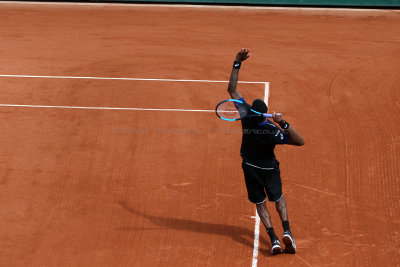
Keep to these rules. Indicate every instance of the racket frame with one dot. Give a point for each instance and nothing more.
(256, 113)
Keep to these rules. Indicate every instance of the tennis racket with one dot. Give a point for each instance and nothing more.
(234, 110)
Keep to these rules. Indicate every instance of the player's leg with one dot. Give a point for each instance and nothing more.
(281, 209)
(256, 194)
(264, 214)
(262, 211)
(274, 191)
(287, 239)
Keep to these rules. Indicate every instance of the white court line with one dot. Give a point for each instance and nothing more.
(107, 108)
(117, 78)
(266, 94)
(257, 223)
(256, 240)
(266, 85)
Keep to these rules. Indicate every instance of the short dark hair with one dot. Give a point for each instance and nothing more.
(260, 106)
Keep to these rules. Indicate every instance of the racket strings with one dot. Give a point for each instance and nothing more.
(231, 110)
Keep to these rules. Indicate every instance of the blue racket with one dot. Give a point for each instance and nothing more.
(234, 110)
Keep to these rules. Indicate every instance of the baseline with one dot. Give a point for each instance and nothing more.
(120, 78)
(105, 108)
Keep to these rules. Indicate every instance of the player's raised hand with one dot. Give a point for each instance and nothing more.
(242, 55)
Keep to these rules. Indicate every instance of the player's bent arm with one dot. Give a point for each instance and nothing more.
(294, 137)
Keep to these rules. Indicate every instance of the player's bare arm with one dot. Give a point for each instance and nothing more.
(242, 55)
(294, 137)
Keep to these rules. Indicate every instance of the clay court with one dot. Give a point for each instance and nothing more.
(139, 171)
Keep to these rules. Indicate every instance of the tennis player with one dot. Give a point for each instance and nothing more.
(260, 166)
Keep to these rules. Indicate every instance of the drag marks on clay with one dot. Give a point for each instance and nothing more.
(303, 260)
(365, 105)
(345, 139)
(316, 190)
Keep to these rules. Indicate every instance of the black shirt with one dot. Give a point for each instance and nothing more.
(258, 142)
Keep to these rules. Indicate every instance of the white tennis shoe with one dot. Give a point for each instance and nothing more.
(276, 247)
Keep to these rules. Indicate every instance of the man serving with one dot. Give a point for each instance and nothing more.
(260, 166)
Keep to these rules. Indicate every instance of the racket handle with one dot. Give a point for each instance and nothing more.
(270, 115)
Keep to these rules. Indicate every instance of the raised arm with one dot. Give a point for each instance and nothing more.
(294, 137)
(242, 55)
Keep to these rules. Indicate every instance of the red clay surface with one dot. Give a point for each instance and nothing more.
(150, 188)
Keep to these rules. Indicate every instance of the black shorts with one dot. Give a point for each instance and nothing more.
(261, 183)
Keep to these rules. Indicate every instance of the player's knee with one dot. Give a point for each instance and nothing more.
(262, 210)
(281, 204)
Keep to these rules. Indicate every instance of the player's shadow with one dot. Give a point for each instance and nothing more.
(239, 234)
